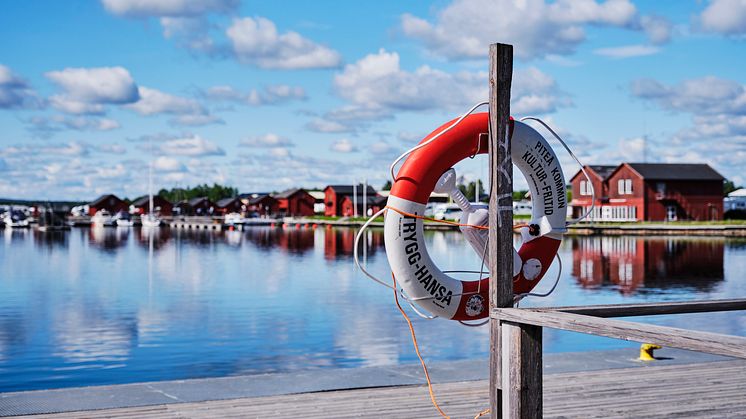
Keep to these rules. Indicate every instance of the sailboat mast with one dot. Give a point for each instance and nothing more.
(150, 179)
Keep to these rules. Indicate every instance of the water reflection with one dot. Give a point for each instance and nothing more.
(108, 239)
(123, 305)
(630, 263)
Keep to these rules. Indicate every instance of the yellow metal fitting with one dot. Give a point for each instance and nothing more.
(646, 351)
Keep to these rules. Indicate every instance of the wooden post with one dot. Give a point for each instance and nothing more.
(501, 208)
(521, 371)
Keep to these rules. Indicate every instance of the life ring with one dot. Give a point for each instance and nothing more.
(410, 262)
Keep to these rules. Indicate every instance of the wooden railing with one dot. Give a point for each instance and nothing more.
(516, 334)
(520, 366)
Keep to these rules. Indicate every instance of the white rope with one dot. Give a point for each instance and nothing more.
(373, 277)
(582, 168)
(519, 297)
(481, 272)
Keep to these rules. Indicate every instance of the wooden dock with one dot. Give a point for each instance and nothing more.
(712, 389)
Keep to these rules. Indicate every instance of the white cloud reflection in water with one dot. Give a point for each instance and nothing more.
(98, 306)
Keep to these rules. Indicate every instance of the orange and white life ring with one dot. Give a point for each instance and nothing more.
(415, 271)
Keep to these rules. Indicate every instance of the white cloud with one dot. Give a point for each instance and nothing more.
(706, 95)
(153, 102)
(196, 120)
(46, 126)
(410, 137)
(190, 146)
(111, 148)
(657, 28)
(267, 140)
(15, 92)
(279, 152)
(727, 17)
(627, 51)
(102, 85)
(269, 95)
(378, 86)
(343, 146)
(116, 171)
(173, 8)
(536, 28)
(168, 164)
(718, 110)
(382, 148)
(324, 126)
(255, 41)
(77, 107)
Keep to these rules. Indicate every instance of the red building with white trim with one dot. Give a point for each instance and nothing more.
(650, 192)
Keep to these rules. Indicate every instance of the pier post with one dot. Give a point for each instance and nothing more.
(500, 243)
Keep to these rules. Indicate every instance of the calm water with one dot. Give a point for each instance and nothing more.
(106, 306)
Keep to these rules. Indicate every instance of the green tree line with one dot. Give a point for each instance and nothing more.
(214, 192)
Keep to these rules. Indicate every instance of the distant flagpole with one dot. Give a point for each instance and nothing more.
(354, 198)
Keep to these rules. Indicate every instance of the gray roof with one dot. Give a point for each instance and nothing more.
(602, 170)
(226, 201)
(288, 193)
(347, 189)
(195, 201)
(257, 199)
(676, 171)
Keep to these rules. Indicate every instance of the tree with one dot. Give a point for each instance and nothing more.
(213, 193)
(386, 186)
(729, 186)
(470, 191)
(519, 195)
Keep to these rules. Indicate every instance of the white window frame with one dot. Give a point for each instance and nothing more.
(620, 186)
(628, 186)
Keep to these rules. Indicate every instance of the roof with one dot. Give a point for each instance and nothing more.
(288, 193)
(257, 199)
(101, 199)
(144, 200)
(227, 201)
(317, 195)
(738, 193)
(194, 201)
(251, 195)
(347, 189)
(602, 170)
(676, 171)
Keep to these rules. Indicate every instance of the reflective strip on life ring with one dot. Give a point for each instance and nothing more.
(410, 262)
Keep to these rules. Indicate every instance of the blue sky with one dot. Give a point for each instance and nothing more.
(269, 95)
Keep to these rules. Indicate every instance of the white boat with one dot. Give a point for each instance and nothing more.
(15, 219)
(150, 221)
(102, 218)
(233, 218)
(123, 219)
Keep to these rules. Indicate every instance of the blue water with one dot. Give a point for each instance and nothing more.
(108, 306)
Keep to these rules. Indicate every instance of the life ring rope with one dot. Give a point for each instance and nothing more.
(435, 136)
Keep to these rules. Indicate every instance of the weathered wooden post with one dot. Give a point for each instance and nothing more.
(500, 221)
(515, 349)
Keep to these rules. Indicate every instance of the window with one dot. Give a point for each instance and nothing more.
(585, 188)
(620, 184)
(628, 186)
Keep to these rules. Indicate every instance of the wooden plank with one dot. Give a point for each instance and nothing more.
(713, 389)
(500, 238)
(521, 371)
(648, 309)
(711, 343)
